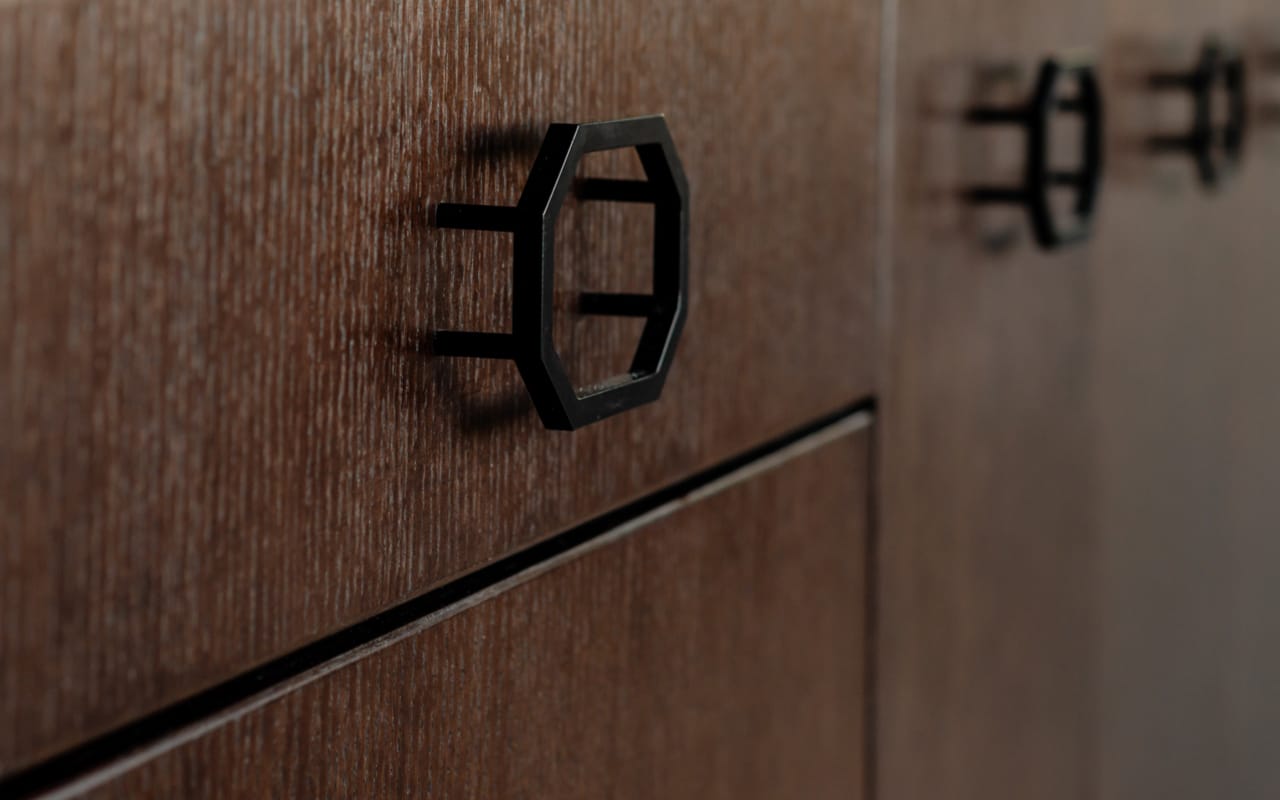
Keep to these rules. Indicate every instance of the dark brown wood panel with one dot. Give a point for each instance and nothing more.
(988, 647)
(1188, 389)
(220, 435)
(715, 654)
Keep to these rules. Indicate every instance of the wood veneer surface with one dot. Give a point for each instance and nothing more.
(220, 435)
(988, 560)
(1187, 389)
(717, 653)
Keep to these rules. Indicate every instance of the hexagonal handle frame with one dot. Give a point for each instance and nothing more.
(533, 220)
(1038, 178)
(1216, 150)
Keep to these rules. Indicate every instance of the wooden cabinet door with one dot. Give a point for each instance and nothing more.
(223, 434)
(715, 653)
(1188, 388)
(987, 563)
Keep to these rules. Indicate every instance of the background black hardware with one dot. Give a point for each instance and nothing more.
(1038, 177)
(1217, 151)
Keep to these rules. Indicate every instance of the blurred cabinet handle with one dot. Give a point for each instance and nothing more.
(1039, 177)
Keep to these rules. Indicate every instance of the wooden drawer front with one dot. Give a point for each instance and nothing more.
(988, 658)
(222, 435)
(717, 653)
(1187, 390)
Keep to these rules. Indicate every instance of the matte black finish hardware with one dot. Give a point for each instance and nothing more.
(1215, 148)
(533, 220)
(1038, 177)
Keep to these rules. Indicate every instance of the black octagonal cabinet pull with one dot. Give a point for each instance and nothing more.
(533, 222)
(1215, 148)
(1039, 178)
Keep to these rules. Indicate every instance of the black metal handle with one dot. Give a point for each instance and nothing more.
(1216, 149)
(533, 221)
(1038, 177)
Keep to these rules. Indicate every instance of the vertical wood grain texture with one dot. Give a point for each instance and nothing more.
(716, 654)
(221, 435)
(1187, 390)
(987, 652)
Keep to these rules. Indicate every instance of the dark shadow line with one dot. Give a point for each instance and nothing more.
(103, 749)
